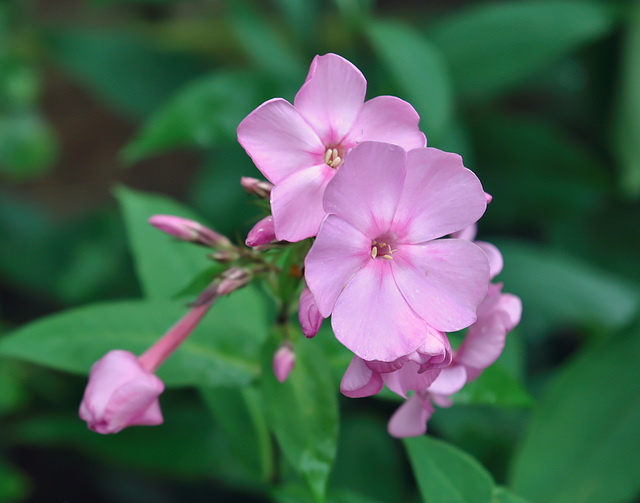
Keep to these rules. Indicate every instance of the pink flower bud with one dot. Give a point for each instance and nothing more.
(283, 361)
(308, 314)
(260, 188)
(233, 279)
(120, 393)
(188, 230)
(262, 233)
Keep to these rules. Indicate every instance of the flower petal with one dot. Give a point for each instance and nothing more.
(449, 381)
(367, 187)
(410, 420)
(409, 378)
(331, 97)
(388, 119)
(359, 380)
(279, 140)
(443, 281)
(296, 203)
(338, 252)
(495, 257)
(372, 318)
(440, 196)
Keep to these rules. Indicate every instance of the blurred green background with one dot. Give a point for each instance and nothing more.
(542, 99)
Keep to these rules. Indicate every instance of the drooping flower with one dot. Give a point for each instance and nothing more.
(120, 393)
(377, 266)
(299, 147)
(308, 315)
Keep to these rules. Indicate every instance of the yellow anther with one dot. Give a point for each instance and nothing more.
(387, 257)
(327, 157)
(374, 252)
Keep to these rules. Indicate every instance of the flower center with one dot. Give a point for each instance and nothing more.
(332, 157)
(380, 248)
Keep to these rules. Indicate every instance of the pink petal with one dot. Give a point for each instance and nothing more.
(360, 381)
(283, 361)
(468, 233)
(372, 318)
(331, 97)
(338, 252)
(308, 315)
(409, 378)
(279, 140)
(449, 381)
(495, 257)
(388, 119)
(434, 352)
(367, 187)
(296, 203)
(410, 420)
(511, 310)
(440, 196)
(443, 281)
(482, 345)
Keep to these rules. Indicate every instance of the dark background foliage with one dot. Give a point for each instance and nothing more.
(542, 99)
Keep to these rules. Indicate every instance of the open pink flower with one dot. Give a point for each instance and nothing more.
(376, 266)
(299, 147)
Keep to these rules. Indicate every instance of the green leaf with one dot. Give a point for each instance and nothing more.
(303, 414)
(419, 73)
(240, 415)
(492, 47)
(122, 67)
(28, 147)
(627, 122)
(504, 495)
(14, 486)
(583, 440)
(557, 288)
(263, 43)
(446, 474)
(222, 351)
(202, 114)
(164, 265)
(495, 386)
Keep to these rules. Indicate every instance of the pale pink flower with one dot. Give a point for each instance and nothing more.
(283, 361)
(376, 266)
(299, 147)
(498, 314)
(120, 393)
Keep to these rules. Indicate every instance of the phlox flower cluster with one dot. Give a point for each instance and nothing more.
(388, 226)
(393, 262)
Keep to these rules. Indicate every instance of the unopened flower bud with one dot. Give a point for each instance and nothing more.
(225, 255)
(233, 279)
(260, 188)
(263, 233)
(189, 230)
(308, 314)
(283, 361)
(120, 393)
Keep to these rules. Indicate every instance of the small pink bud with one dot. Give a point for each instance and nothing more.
(259, 188)
(120, 393)
(224, 256)
(233, 279)
(189, 230)
(283, 361)
(308, 314)
(488, 197)
(263, 233)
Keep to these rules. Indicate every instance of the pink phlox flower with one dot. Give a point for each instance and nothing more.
(377, 266)
(498, 314)
(120, 393)
(299, 147)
